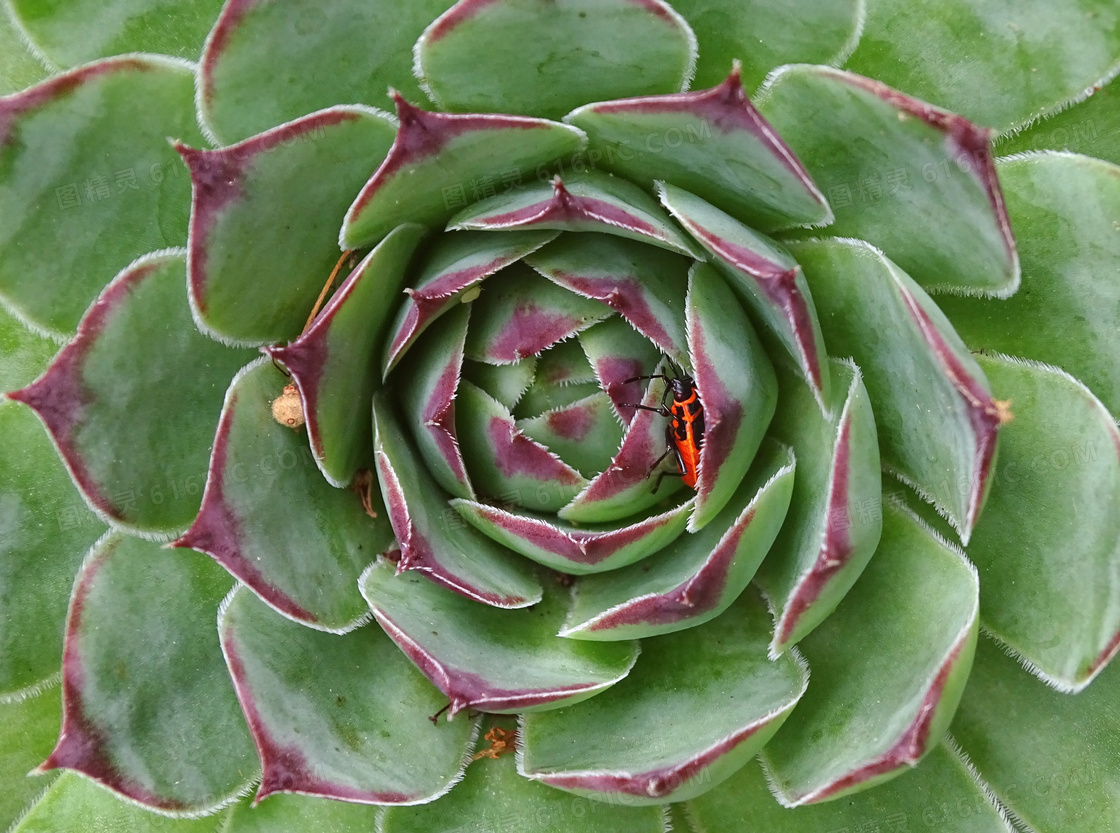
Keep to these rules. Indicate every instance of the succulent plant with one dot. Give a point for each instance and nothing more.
(652, 456)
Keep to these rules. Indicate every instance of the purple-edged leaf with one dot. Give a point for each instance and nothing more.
(697, 576)
(712, 142)
(142, 671)
(270, 518)
(334, 363)
(439, 161)
(585, 434)
(86, 175)
(432, 538)
(544, 58)
(1049, 541)
(429, 380)
(835, 516)
(24, 354)
(28, 730)
(454, 266)
(264, 207)
(737, 388)
(337, 716)
(571, 549)
(565, 364)
(131, 403)
(626, 488)
(943, 791)
(521, 314)
(45, 530)
(482, 658)
(1065, 209)
(504, 463)
(764, 34)
(644, 285)
(507, 383)
(906, 632)
(618, 353)
(79, 31)
(343, 51)
(493, 794)
(890, 164)
(591, 201)
(764, 276)
(712, 695)
(541, 397)
(937, 420)
(1064, 773)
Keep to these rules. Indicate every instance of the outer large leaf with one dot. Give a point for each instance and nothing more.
(891, 164)
(936, 419)
(499, 661)
(1064, 209)
(942, 794)
(142, 672)
(337, 716)
(72, 32)
(131, 403)
(270, 518)
(712, 695)
(243, 227)
(998, 63)
(45, 530)
(1062, 772)
(341, 52)
(907, 632)
(28, 730)
(544, 57)
(86, 174)
(1049, 545)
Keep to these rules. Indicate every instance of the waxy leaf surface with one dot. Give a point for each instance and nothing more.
(28, 730)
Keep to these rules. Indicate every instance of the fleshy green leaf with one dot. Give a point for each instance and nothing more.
(19, 65)
(585, 434)
(891, 164)
(942, 793)
(737, 388)
(265, 207)
(711, 692)
(86, 175)
(591, 201)
(1091, 127)
(440, 162)
(1065, 210)
(28, 730)
(712, 142)
(270, 518)
(76, 31)
(498, 661)
(576, 550)
(835, 514)
(284, 813)
(507, 383)
(696, 577)
(764, 276)
(936, 419)
(493, 796)
(132, 402)
(337, 716)
(764, 34)
(23, 354)
(644, 285)
(504, 463)
(432, 538)
(45, 531)
(907, 632)
(334, 362)
(618, 353)
(997, 63)
(1049, 542)
(455, 264)
(142, 671)
(543, 58)
(1062, 771)
(521, 314)
(345, 51)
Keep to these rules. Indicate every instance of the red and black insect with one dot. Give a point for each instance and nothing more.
(684, 435)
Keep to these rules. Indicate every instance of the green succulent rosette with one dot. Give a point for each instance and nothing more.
(408, 552)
